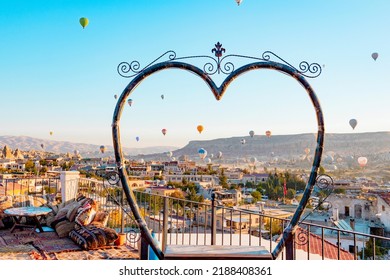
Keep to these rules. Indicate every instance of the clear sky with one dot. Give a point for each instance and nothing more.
(57, 76)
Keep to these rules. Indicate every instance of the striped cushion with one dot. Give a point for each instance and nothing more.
(92, 237)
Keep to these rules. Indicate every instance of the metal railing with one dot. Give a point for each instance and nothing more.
(29, 186)
(183, 222)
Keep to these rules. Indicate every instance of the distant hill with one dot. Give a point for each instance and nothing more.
(374, 145)
(26, 143)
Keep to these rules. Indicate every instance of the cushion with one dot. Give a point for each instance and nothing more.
(63, 227)
(5, 202)
(92, 237)
(72, 212)
(85, 216)
(101, 218)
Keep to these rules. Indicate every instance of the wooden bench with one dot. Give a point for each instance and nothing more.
(216, 252)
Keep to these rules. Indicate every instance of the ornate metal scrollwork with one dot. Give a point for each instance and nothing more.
(323, 181)
(112, 178)
(132, 233)
(219, 65)
(302, 237)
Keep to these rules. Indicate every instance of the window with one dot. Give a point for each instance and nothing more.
(352, 249)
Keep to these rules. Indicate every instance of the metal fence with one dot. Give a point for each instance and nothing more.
(183, 222)
(29, 186)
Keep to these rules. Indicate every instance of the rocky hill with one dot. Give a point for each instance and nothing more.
(25, 143)
(343, 148)
(291, 148)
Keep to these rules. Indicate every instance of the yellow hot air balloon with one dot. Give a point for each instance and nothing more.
(84, 22)
(51, 132)
(200, 128)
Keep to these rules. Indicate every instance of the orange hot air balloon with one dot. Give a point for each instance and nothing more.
(200, 128)
(268, 133)
(164, 131)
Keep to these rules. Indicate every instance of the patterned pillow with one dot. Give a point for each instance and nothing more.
(85, 216)
(92, 237)
(101, 218)
(5, 202)
(72, 212)
(64, 227)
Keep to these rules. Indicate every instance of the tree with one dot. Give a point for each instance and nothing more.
(367, 252)
(223, 180)
(30, 166)
(256, 196)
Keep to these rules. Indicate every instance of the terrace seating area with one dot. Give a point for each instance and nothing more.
(72, 230)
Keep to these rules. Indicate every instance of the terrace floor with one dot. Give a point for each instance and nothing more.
(48, 246)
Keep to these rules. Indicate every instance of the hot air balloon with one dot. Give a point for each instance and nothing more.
(164, 131)
(76, 152)
(51, 132)
(374, 55)
(137, 138)
(173, 158)
(200, 128)
(202, 153)
(251, 133)
(353, 123)
(116, 96)
(162, 96)
(243, 141)
(42, 146)
(219, 154)
(130, 101)
(268, 133)
(208, 160)
(253, 160)
(238, 2)
(84, 22)
(362, 161)
(102, 149)
(211, 155)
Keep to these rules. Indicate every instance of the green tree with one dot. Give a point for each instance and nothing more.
(223, 180)
(367, 252)
(256, 196)
(30, 166)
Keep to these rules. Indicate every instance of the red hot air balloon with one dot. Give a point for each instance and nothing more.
(268, 133)
(164, 131)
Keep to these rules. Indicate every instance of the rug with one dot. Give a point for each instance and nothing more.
(48, 242)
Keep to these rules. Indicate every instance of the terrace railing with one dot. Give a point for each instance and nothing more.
(177, 221)
(29, 186)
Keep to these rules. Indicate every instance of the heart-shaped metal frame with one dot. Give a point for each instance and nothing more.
(286, 239)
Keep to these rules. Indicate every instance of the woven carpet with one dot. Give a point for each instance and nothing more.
(48, 242)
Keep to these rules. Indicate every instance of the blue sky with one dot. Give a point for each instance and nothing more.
(56, 76)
